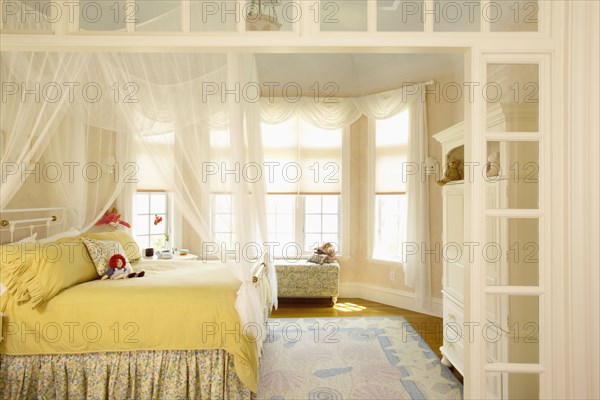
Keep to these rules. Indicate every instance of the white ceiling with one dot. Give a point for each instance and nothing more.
(353, 74)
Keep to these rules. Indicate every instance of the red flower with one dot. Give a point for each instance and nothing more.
(157, 220)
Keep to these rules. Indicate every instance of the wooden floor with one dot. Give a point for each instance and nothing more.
(430, 328)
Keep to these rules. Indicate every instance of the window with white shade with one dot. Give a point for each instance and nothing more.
(305, 187)
(390, 154)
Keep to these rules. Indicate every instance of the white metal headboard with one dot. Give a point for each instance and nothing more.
(34, 219)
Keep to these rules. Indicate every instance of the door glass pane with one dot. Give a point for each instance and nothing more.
(343, 15)
(505, 385)
(512, 175)
(158, 15)
(456, 16)
(103, 15)
(208, 15)
(400, 16)
(511, 252)
(512, 97)
(511, 331)
(513, 15)
(28, 15)
(271, 15)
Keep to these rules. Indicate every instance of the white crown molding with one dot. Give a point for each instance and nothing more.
(451, 134)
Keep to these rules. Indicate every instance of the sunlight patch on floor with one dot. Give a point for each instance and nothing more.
(348, 307)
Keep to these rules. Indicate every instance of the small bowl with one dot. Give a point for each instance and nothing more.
(183, 252)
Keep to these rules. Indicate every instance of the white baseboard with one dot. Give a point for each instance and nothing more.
(390, 297)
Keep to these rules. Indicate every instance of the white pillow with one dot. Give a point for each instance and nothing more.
(68, 233)
(28, 238)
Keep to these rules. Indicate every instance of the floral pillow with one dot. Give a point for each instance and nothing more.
(101, 251)
(317, 258)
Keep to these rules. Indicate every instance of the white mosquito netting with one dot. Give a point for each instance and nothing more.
(72, 125)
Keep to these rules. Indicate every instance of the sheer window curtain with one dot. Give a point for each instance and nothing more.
(31, 113)
(173, 89)
(142, 95)
(418, 271)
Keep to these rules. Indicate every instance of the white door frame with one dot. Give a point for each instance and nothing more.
(569, 363)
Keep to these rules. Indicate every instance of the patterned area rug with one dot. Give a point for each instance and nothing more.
(351, 358)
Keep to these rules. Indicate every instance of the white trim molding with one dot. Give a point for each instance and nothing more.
(582, 102)
(388, 296)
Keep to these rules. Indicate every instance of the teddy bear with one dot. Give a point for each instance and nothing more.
(451, 172)
(328, 250)
(119, 269)
(492, 168)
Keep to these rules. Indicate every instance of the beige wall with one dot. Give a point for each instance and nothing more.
(442, 113)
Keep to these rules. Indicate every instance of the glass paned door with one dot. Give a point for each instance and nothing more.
(515, 289)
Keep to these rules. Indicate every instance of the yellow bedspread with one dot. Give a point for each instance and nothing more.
(178, 305)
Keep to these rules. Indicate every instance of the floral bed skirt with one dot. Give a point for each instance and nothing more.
(167, 374)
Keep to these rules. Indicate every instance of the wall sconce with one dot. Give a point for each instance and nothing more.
(431, 166)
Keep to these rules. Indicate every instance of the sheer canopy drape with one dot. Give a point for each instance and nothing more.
(100, 109)
(94, 109)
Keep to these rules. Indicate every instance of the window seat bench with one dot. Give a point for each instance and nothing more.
(301, 279)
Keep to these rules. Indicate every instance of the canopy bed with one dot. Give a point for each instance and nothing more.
(174, 333)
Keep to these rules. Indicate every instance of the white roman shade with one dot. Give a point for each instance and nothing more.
(155, 153)
(301, 158)
(391, 154)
